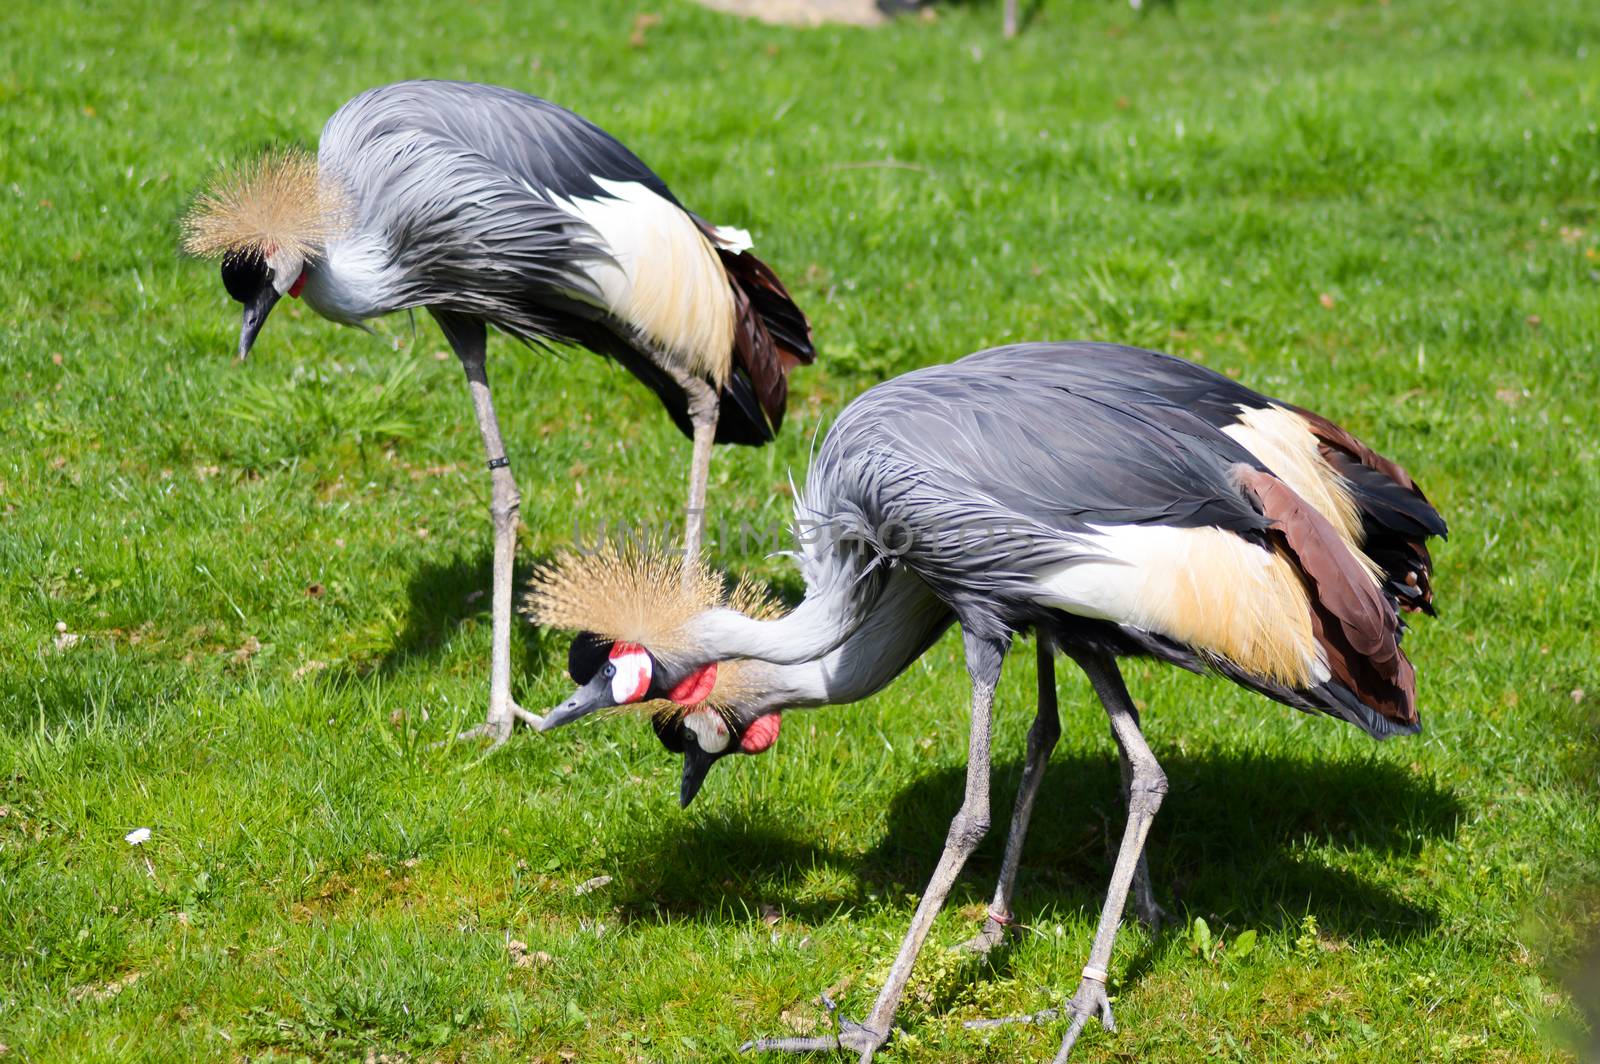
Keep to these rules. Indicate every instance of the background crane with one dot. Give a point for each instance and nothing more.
(490, 206)
(1132, 526)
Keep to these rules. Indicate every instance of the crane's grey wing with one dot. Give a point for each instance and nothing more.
(1050, 441)
(1130, 515)
(989, 477)
(546, 145)
(451, 225)
(511, 208)
(1395, 517)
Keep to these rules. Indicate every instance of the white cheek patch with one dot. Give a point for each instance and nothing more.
(632, 678)
(710, 730)
(286, 267)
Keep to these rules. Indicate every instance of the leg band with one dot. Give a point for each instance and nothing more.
(499, 463)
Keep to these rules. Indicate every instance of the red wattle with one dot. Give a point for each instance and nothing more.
(696, 687)
(762, 733)
(299, 283)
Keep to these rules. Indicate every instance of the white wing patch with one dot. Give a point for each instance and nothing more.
(1206, 587)
(1283, 442)
(666, 280)
(733, 238)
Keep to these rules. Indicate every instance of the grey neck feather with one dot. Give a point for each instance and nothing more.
(905, 620)
(842, 587)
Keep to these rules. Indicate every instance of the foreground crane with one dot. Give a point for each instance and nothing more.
(1374, 503)
(1035, 487)
(492, 207)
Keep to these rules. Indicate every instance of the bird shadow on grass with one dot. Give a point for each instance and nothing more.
(1246, 840)
(441, 597)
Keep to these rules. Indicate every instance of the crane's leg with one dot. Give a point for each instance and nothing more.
(971, 823)
(703, 407)
(1150, 914)
(1042, 739)
(1146, 787)
(1010, 19)
(468, 337)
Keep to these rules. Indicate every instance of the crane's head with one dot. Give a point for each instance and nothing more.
(266, 221)
(635, 608)
(259, 281)
(705, 736)
(614, 673)
(701, 715)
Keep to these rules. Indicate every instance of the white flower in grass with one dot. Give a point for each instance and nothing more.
(137, 836)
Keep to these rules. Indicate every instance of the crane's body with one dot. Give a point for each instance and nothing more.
(488, 207)
(1116, 502)
(497, 206)
(1034, 485)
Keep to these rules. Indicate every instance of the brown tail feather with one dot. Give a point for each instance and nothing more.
(771, 335)
(1353, 621)
(1398, 522)
(1336, 436)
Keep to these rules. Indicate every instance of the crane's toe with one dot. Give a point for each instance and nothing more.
(497, 732)
(851, 1038)
(525, 716)
(498, 728)
(1151, 915)
(1089, 1002)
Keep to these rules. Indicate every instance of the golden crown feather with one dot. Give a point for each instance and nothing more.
(631, 593)
(279, 202)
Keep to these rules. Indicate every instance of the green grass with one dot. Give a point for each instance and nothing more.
(272, 567)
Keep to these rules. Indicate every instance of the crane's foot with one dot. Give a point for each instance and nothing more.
(1151, 915)
(848, 1037)
(1042, 1016)
(499, 730)
(851, 1038)
(993, 933)
(1088, 1003)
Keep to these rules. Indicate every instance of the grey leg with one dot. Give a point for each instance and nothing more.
(1146, 787)
(1010, 19)
(971, 823)
(703, 406)
(1150, 914)
(467, 336)
(1042, 739)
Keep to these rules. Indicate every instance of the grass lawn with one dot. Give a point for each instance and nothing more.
(1388, 211)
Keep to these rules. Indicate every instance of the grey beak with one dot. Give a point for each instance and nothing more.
(255, 316)
(696, 763)
(592, 696)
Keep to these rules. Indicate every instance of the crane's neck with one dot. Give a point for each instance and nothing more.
(814, 628)
(903, 623)
(841, 588)
(353, 280)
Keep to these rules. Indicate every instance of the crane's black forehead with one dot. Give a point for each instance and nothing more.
(586, 656)
(669, 729)
(244, 273)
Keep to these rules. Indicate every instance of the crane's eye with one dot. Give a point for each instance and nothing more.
(608, 672)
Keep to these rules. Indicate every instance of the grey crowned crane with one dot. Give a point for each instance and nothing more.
(492, 207)
(1116, 502)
